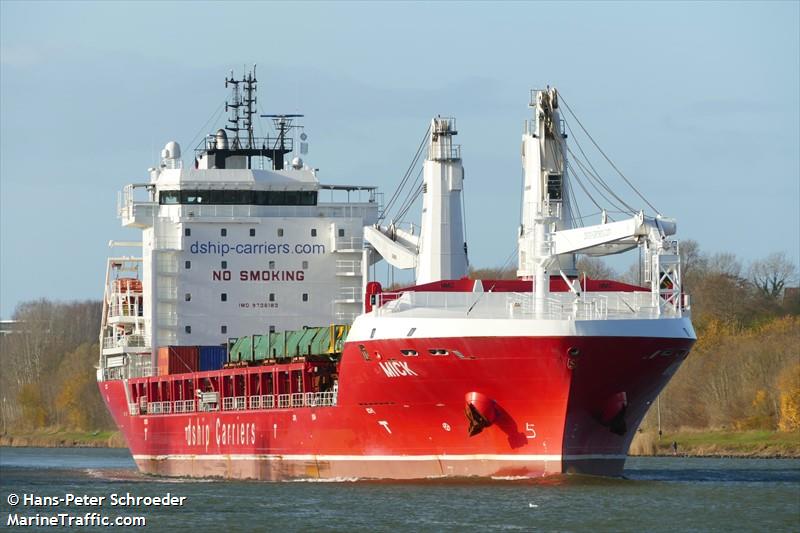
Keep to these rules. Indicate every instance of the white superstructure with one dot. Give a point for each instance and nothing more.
(228, 249)
(547, 241)
(439, 251)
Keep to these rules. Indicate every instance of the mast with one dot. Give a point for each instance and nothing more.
(241, 109)
(236, 151)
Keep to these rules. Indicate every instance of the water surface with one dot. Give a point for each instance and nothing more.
(657, 494)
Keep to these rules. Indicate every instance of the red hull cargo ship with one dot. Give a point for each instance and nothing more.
(248, 341)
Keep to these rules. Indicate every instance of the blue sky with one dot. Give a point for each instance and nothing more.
(696, 102)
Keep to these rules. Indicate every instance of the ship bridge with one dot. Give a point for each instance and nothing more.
(242, 239)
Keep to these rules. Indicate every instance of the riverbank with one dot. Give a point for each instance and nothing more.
(754, 443)
(59, 438)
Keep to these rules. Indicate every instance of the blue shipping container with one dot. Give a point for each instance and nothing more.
(212, 357)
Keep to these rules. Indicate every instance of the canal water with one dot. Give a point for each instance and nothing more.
(657, 494)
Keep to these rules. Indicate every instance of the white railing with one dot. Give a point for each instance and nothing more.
(557, 306)
(168, 319)
(169, 292)
(119, 309)
(234, 403)
(168, 242)
(345, 318)
(309, 399)
(336, 210)
(239, 403)
(440, 152)
(127, 341)
(268, 401)
(112, 374)
(184, 406)
(350, 294)
(325, 399)
(159, 408)
(167, 263)
(349, 243)
(142, 367)
(129, 209)
(352, 268)
(297, 399)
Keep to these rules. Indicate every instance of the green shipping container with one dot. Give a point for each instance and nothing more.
(277, 345)
(307, 340)
(293, 339)
(261, 349)
(242, 350)
(321, 342)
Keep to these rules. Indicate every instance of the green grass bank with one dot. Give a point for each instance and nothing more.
(753, 443)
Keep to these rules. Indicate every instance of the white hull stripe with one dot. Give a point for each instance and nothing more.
(277, 457)
(369, 327)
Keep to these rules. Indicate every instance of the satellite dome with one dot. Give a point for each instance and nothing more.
(297, 163)
(222, 140)
(172, 150)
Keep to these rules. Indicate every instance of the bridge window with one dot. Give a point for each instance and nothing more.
(305, 296)
(194, 197)
(187, 265)
(187, 232)
(188, 296)
(272, 264)
(187, 329)
(341, 232)
(308, 198)
(238, 197)
(252, 232)
(223, 232)
(280, 232)
(292, 198)
(169, 197)
(223, 264)
(223, 329)
(223, 297)
(276, 198)
(313, 232)
(272, 297)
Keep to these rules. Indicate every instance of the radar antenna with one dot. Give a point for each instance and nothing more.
(219, 151)
(283, 124)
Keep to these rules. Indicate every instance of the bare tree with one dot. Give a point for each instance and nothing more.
(725, 263)
(772, 274)
(595, 268)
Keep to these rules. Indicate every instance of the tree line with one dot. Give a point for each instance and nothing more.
(744, 371)
(48, 361)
